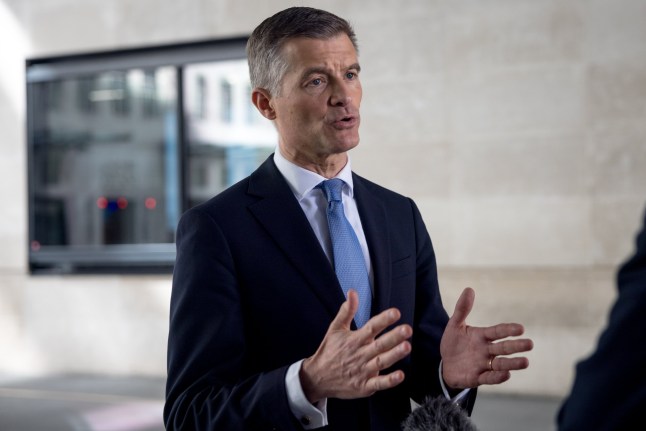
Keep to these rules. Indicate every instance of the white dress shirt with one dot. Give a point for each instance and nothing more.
(313, 202)
(312, 199)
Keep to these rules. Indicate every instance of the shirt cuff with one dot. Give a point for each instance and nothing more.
(310, 415)
(456, 399)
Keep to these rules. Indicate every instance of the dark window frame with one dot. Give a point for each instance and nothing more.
(126, 258)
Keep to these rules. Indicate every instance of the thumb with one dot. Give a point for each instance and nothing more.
(343, 319)
(463, 306)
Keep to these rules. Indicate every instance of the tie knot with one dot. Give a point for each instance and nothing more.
(332, 189)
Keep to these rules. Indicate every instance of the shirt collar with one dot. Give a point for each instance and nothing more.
(302, 181)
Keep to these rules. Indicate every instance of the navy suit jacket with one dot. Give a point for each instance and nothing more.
(253, 292)
(609, 390)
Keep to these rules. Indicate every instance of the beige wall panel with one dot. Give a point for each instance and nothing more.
(616, 94)
(21, 354)
(12, 323)
(615, 222)
(401, 42)
(614, 31)
(520, 232)
(63, 26)
(618, 160)
(99, 324)
(516, 125)
(521, 166)
(483, 35)
(226, 17)
(537, 297)
(152, 21)
(13, 216)
(398, 112)
(14, 45)
(421, 169)
(528, 100)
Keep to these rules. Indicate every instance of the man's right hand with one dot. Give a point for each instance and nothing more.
(347, 363)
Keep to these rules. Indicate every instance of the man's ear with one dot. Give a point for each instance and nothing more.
(262, 101)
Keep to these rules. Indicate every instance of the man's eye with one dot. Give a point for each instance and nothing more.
(350, 75)
(316, 81)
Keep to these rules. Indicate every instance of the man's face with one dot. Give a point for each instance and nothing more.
(317, 110)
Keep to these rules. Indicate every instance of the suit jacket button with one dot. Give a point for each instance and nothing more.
(305, 420)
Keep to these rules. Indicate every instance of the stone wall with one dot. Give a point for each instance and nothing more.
(518, 126)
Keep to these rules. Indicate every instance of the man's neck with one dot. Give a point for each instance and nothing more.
(327, 166)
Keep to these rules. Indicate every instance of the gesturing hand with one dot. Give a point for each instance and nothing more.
(470, 355)
(347, 363)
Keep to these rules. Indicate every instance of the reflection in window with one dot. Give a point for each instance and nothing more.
(121, 143)
(224, 148)
(115, 92)
(52, 94)
(201, 97)
(84, 88)
(107, 91)
(150, 100)
(226, 102)
(98, 161)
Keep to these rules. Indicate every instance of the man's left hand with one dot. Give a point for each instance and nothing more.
(473, 356)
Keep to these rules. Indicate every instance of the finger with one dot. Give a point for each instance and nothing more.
(509, 364)
(387, 381)
(503, 330)
(390, 339)
(494, 377)
(510, 347)
(463, 307)
(377, 324)
(346, 313)
(389, 358)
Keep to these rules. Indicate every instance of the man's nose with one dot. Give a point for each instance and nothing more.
(340, 95)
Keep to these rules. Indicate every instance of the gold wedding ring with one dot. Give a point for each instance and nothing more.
(490, 363)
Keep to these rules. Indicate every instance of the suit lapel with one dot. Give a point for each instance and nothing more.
(280, 214)
(375, 227)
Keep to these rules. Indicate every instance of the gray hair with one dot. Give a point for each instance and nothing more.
(264, 47)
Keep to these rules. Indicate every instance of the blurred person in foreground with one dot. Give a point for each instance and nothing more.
(306, 296)
(609, 389)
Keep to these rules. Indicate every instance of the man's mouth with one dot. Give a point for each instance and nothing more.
(345, 122)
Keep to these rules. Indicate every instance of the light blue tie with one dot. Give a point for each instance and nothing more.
(348, 258)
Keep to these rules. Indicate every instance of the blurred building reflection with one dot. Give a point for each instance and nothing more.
(227, 136)
(118, 154)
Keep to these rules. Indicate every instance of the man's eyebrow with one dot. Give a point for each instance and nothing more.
(314, 70)
(324, 71)
(355, 66)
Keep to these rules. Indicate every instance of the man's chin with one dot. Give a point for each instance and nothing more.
(346, 143)
(344, 147)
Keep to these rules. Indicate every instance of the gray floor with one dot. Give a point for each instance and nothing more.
(99, 403)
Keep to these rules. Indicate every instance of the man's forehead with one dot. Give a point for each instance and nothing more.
(304, 52)
(340, 42)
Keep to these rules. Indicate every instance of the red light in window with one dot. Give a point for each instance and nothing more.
(102, 203)
(151, 203)
(35, 245)
(122, 203)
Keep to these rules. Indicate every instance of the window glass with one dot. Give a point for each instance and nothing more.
(105, 159)
(121, 143)
(228, 138)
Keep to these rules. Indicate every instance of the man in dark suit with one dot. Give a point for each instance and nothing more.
(264, 334)
(609, 390)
